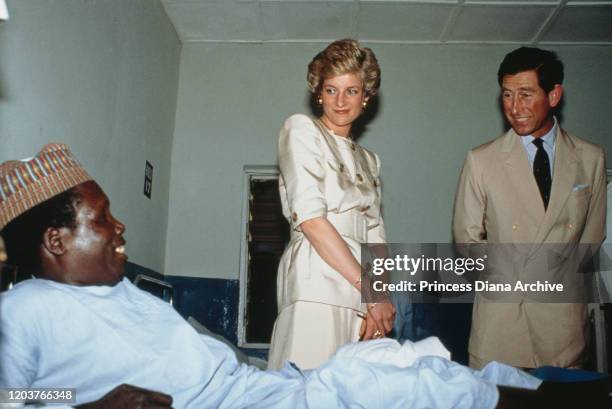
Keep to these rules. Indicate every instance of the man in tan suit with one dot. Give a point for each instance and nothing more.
(532, 186)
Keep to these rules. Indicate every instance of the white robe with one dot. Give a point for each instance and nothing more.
(95, 338)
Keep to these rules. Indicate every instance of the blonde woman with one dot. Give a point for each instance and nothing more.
(330, 192)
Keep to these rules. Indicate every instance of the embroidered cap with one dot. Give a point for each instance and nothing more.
(29, 182)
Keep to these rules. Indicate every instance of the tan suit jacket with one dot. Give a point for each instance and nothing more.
(498, 201)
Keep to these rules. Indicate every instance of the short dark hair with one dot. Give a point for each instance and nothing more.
(546, 64)
(23, 235)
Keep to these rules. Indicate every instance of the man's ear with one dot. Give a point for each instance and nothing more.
(53, 241)
(554, 96)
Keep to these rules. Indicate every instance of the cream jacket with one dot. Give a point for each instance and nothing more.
(323, 174)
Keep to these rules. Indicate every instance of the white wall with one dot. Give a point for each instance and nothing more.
(101, 76)
(436, 103)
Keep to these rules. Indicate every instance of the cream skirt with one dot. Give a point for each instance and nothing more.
(308, 333)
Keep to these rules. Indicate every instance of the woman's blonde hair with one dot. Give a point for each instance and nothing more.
(343, 57)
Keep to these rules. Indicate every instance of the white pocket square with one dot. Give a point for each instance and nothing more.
(579, 187)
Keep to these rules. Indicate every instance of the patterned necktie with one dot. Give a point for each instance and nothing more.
(541, 171)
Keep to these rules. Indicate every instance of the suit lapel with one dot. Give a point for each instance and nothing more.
(564, 171)
(329, 140)
(360, 160)
(521, 177)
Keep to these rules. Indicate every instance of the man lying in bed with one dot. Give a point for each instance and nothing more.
(80, 324)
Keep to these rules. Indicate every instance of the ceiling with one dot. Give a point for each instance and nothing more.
(395, 21)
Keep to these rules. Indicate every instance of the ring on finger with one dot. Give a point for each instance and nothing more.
(378, 334)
